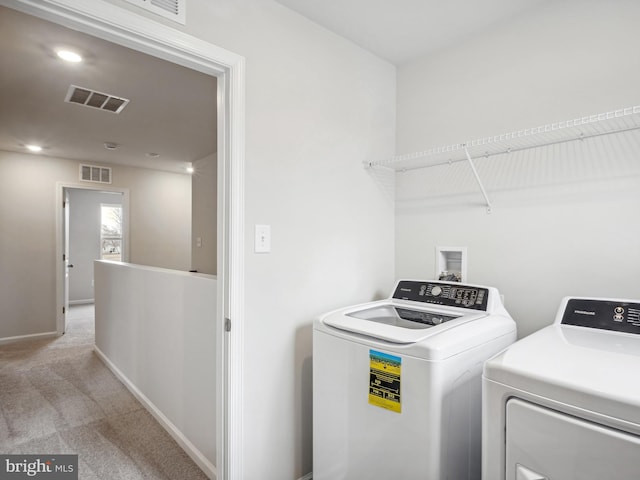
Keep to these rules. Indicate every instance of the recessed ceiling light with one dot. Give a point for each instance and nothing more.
(69, 56)
(34, 148)
(110, 145)
(152, 155)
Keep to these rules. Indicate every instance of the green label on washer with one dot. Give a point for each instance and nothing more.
(384, 380)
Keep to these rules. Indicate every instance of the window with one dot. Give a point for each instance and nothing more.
(111, 232)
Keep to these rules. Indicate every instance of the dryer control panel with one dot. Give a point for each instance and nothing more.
(440, 293)
(616, 315)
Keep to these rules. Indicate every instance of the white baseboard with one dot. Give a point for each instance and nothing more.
(24, 338)
(308, 476)
(196, 455)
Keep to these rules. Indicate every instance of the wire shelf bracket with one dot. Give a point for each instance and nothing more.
(475, 174)
(612, 122)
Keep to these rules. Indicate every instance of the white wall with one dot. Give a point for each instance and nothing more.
(563, 216)
(156, 329)
(160, 226)
(316, 107)
(85, 220)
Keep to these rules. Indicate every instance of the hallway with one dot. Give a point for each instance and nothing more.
(57, 397)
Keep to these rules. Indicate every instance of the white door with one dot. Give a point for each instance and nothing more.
(67, 263)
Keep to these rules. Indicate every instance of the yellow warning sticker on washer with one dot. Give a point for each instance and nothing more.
(384, 380)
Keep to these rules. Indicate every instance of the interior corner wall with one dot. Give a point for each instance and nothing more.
(160, 231)
(204, 232)
(562, 217)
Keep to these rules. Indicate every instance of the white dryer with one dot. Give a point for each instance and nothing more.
(397, 382)
(564, 402)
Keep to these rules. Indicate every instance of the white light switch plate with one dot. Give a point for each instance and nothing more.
(263, 239)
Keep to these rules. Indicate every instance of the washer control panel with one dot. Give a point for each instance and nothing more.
(440, 293)
(613, 315)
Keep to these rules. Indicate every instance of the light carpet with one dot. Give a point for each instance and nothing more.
(57, 397)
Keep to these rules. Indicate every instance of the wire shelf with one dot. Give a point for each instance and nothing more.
(616, 121)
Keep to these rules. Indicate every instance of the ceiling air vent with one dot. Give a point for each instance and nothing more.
(99, 100)
(172, 9)
(95, 174)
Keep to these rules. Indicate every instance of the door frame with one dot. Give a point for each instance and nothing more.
(122, 26)
(61, 240)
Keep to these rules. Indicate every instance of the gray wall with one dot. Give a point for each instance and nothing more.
(84, 239)
(160, 233)
(204, 194)
(563, 216)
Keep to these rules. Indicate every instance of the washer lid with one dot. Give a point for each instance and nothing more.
(595, 370)
(396, 322)
(438, 318)
(403, 317)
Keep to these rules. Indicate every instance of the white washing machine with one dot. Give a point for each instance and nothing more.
(397, 383)
(564, 402)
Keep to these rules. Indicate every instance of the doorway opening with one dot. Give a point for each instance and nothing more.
(95, 227)
(111, 22)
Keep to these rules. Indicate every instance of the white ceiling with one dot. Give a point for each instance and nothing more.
(172, 109)
(403, 30)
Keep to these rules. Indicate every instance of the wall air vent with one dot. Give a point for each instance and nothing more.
(95, 174)
(91, 98)
(172, 9)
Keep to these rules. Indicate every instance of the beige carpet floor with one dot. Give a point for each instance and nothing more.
(57, 397)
